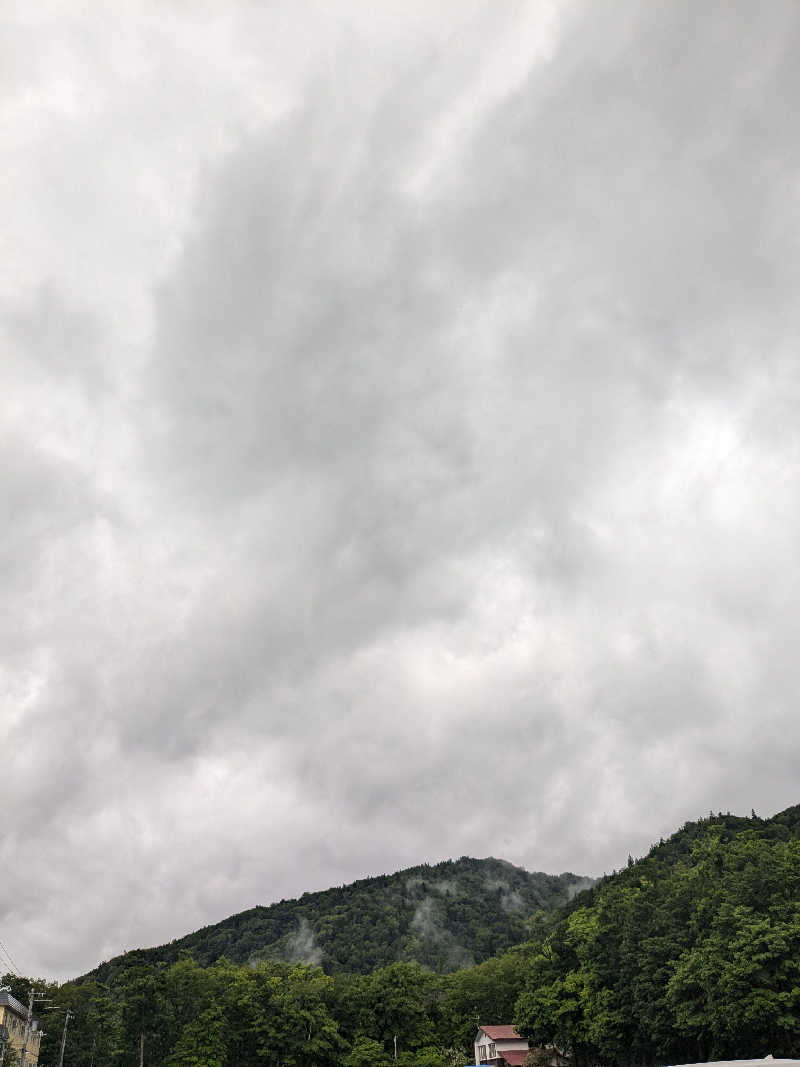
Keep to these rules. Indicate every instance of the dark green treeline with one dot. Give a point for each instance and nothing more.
(691, 953)
(277, 1013)
(446, 917)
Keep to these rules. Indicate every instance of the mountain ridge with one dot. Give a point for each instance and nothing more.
(688, 954)
(445, 916)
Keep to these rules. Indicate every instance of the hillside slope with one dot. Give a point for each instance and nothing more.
(690, 953)
(445, 916)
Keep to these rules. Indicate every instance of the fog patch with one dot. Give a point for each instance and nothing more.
(427, 924)
(512, 902)
(427, 921)
(578, 886)
(302, 947)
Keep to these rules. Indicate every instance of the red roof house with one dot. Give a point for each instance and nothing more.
(500, 1046)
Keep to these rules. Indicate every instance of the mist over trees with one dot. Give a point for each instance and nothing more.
(445, 916)
(689, 953)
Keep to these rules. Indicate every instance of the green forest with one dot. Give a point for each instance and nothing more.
(689, 953)
(445, 917)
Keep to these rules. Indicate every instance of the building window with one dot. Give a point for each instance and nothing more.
(492, 1052)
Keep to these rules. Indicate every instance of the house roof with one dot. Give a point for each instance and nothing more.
(7, 1001)
(502, 1033)
(514, 1057)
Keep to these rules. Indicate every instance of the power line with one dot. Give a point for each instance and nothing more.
(8, 962)
(8, 954)
(10, 959)
(12, 970)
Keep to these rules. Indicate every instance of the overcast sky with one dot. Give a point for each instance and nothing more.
(400, 453)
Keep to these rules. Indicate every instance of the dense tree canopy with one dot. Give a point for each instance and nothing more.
(445, 917)
(693, 952)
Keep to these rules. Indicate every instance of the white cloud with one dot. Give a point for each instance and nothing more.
(399, 447)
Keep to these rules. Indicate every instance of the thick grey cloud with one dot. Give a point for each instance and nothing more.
(400, 446)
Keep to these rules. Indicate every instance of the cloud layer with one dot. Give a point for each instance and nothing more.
(399, 446)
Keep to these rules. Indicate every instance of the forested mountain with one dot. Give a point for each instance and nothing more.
(690, 953)
(446, 916)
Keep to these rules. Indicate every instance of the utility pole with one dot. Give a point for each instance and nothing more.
(28, 1020)
(67, 1016)
(27, 1030)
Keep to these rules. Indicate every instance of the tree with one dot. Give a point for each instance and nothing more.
(366, 1053)
(399, 1000)
(433, 1056)
(291, 1017)
(143, 1016)
(202, 1041)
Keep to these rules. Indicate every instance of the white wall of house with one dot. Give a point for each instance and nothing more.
(483, 1042)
